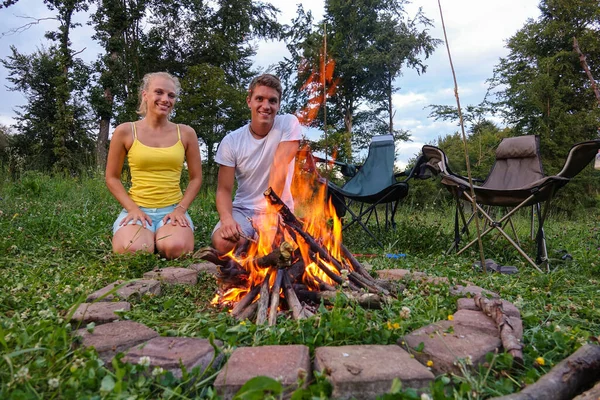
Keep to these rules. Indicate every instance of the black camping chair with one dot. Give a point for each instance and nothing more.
(370, 185)
(516, 180)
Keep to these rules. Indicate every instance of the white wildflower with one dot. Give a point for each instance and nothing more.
(557, 328)
(144, 361)
(22, 375)
(67, 289)
(425, 396)
(53, 383)
(157, 371)
(405, 313)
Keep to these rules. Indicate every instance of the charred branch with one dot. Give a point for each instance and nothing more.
(245, 301)
(263, 301)
(510, 342)
(569, 377)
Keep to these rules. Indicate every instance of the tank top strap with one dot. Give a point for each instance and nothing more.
(178, 133)
(133, 130)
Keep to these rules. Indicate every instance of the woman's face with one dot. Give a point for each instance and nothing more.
(160, 96)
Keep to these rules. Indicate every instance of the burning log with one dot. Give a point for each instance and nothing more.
(245, 301)
(291, 298)
(263, 302)
(493, 309)
(281, 255)
(290, 220)
(275, 297)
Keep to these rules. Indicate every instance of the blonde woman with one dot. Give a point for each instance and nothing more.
(154, 215)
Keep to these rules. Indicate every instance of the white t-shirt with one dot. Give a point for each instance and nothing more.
(252, 159)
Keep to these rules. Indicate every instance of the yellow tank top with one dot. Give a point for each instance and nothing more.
(155, 172)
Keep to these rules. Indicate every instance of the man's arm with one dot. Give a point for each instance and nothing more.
(285, 153)
(229, 229)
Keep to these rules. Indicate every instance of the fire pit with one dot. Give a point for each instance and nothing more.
(291, 267)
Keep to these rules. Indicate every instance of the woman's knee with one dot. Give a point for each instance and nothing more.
(131, 240)
(175, 248)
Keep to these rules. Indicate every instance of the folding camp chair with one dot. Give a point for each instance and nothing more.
(373, 183)
(516, 180)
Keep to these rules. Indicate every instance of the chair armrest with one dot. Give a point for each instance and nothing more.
(348, 170)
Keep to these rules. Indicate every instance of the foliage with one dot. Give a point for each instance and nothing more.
(368, 43)
(55, 249)
(38, 76)
(212, 107)
(541, 84)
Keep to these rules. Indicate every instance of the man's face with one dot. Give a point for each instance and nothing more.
(263, 104)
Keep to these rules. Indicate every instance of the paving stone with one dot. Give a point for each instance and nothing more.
(592, 394)
(284, 363)
(476, 320)
(110, 339)
(460, 290)
(365, 372)
(469, 304)
(393, 274)
(207, 267)
(170, 353)
(481, 322)
(445, 342)
(99, 313)
(136, 288)
(403, 274)
(174, 276)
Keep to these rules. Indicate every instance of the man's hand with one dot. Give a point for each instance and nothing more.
(230, 230)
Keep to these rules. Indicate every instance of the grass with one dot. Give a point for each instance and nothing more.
(55, 249)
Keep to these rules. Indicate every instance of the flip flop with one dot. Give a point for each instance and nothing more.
(493, 266)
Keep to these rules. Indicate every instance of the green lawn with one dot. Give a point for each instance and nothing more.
(55, 249)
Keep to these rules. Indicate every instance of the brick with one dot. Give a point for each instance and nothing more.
(110, 339)
(99, 313)
(469, 304)
(174, 276)
(136, 288)
(445, 342)
(367, 371)
(284, 363)
(405, 274)
(207, 267)
(472, 290)
(171, 352)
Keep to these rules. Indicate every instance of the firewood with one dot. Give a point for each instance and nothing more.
(245, 301)
(290, 220)
(493, 309)
(332, 275)
(370, 285)
(366, 300)
(283, 254)
(291, 298)
(357, 266)
(275, 297)
(263, 301)
(248, 312)
(567, 379)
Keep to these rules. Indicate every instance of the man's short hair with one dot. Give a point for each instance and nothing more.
(268, 80)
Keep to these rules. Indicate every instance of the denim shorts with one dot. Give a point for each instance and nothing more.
(155, 214)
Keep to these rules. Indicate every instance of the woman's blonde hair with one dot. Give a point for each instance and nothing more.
(143, 107)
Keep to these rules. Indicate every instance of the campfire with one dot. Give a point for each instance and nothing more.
(293, 264)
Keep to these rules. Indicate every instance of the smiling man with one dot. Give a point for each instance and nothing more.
(258, 155)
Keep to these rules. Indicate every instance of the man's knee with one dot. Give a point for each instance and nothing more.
(220, 244)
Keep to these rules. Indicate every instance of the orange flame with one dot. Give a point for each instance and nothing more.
(319, 81)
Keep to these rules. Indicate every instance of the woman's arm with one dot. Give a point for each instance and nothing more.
(194, 165)
(119, 144)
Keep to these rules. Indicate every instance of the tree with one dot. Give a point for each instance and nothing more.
(118, 26)
(369, 43)
(39, 140)
(542, 87)
(212, 107)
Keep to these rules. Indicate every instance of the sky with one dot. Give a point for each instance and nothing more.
(477, 32)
